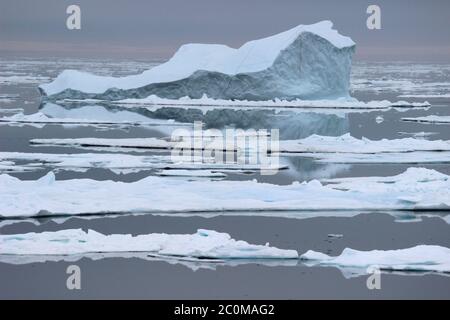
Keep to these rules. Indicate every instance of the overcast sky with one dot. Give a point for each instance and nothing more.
(411, 29)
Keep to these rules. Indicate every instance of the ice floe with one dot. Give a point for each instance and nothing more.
(447, 95)
(119, 163)
(425, 258)
(416, 157)
(204, 244)
(191, 173)
(429, 119)
(307, 146)
(22, 79)
(348, 144)
(415, 189)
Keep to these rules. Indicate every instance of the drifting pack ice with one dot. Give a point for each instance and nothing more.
(307, 62)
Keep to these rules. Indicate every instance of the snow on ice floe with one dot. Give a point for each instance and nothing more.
(415, 189)
(305, 62)
(87, 115)
(348, 144)
(424, 258)
(429, 119)
(66, 244)
(119, 163)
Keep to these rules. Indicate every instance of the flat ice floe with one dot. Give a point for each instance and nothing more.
(200, 245)
(313, 146)
(116, 162)
(429, 119)
(415, 189)
(340, 103)
(416, 157)
(447, 95)
(425, 258)
(348, 144)
(191, 173)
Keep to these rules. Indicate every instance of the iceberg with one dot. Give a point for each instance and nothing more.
(305, 62)
(414, 189)
(425, 258)
(202, 244)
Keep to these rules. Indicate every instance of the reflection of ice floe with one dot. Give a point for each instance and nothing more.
(87, 115)
(204, 244)
(192, 263)
(415, 189)
(429, 119)
(422, 258)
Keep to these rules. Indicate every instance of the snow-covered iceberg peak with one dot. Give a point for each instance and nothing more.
(305, 62)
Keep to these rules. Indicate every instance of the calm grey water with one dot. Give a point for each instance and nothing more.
(137, 278)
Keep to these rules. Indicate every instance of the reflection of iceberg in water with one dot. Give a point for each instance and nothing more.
(292, 125)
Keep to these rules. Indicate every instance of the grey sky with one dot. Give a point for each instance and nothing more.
(411, 29)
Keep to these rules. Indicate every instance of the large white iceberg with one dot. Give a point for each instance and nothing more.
(415, 189)
(306, 62)
(202, 244)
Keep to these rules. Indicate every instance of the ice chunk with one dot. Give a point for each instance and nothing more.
(415, 189)
(306, 62)
(202, 244)
(419, 258)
